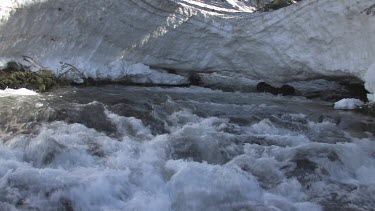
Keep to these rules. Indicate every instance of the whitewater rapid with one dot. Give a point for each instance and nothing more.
(153, 148)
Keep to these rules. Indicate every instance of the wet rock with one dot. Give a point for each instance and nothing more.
(96, 82)
(305, 165)
(66, 204)
(284, 90)
(195, 79)
(287, 90)
(368, 110)
(143, 111)
(332, 89)
(355, 89)
(91, 115)
(277, 4)
(264, 87)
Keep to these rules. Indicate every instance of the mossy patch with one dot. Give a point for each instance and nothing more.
(16, 76)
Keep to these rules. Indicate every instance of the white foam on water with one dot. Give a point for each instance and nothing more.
(17, 92)
(88, 169)
(196, 165)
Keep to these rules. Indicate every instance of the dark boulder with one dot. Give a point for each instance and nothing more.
(287, 90)
(264, 87)
(284, 90)
(277, 4)
(195, 79)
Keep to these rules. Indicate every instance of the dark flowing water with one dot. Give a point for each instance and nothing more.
(153, 148)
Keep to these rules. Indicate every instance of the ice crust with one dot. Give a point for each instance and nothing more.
(348, 103)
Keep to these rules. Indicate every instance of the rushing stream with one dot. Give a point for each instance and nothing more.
(153, 148)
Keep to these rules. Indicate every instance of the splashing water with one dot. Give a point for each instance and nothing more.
(137, 148)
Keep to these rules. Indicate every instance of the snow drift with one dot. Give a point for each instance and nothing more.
(349, 104)
(105, 38)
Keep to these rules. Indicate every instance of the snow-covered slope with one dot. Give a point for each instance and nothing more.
(106, 37)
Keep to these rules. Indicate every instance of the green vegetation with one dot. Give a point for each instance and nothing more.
(18, 76)
(15, 76)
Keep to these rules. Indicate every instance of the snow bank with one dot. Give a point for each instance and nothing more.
(308, 39)
(348, 103)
